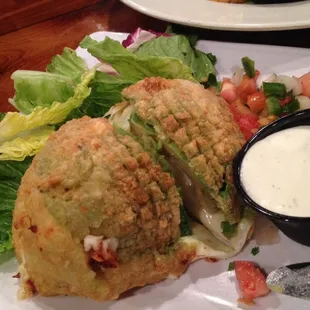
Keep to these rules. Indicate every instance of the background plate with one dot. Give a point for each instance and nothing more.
(227, 16)
(205, 285)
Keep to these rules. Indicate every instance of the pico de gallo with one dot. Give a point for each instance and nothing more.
(254, 106)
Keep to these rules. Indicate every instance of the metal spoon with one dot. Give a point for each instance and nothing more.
(292, 280)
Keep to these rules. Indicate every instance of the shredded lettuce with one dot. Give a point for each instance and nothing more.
(15, 124)
(135, 67)
(11, 173)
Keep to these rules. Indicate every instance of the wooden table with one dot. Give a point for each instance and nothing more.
(33, 47)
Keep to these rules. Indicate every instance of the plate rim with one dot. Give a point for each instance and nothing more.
(229, 26)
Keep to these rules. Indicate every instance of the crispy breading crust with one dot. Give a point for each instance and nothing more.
(197, 121)
(88, 179)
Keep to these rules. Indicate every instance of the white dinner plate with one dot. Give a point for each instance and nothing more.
(227, 16)
(205, 286)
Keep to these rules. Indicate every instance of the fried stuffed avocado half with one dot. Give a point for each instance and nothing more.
(96, 215)
(194, 130)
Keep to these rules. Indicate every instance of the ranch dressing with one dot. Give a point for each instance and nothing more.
(275, 172)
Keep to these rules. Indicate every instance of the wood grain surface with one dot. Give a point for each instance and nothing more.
(33, 47)
(17, 14)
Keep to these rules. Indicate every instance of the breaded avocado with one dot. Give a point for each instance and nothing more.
(96, 216)
(197, 135)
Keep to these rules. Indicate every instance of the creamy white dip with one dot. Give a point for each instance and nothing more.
(275, 172)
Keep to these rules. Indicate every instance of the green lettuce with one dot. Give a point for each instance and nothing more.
(29, 145)
(136, 67)
(68, 64)
(179, 46)
(15, 124)
(11, 173)
(39, 89)
(106, 90)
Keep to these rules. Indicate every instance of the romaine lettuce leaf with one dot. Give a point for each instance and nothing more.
(68, 64)
(106, 90)
(15, 124)
(11, 173)
(178, 46)
(39, 89)
(135, 67)
(2, 115)
(28, 145)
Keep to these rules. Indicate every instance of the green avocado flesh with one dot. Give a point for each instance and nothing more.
(195, 193)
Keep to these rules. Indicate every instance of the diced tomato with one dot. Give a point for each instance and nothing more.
(241, 108)
(252, 281)
(285, 101)
(247, 87)
(248, 126)
(226, 79)
(248, 123)
(257, 73)
(256, 101)
(31, 285)
(229, 91)
(305, 82)
(106, 257)
(263, 113)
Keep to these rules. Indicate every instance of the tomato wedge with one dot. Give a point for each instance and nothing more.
(251, 280)
(256, 102)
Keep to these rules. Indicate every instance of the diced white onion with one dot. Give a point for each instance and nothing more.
(271, 78)
(111, 243)
(291, 83)
(297, 87)
(238, 76)
(304, 102)
(286, 80)
(92, 242)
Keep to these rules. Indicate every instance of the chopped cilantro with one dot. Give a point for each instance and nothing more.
(255, 251)
(228, 229)
(231, 266)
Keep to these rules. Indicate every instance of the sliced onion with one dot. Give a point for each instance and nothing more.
(140, 36)
(271, 78)
(304, 102)
(238, 76)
